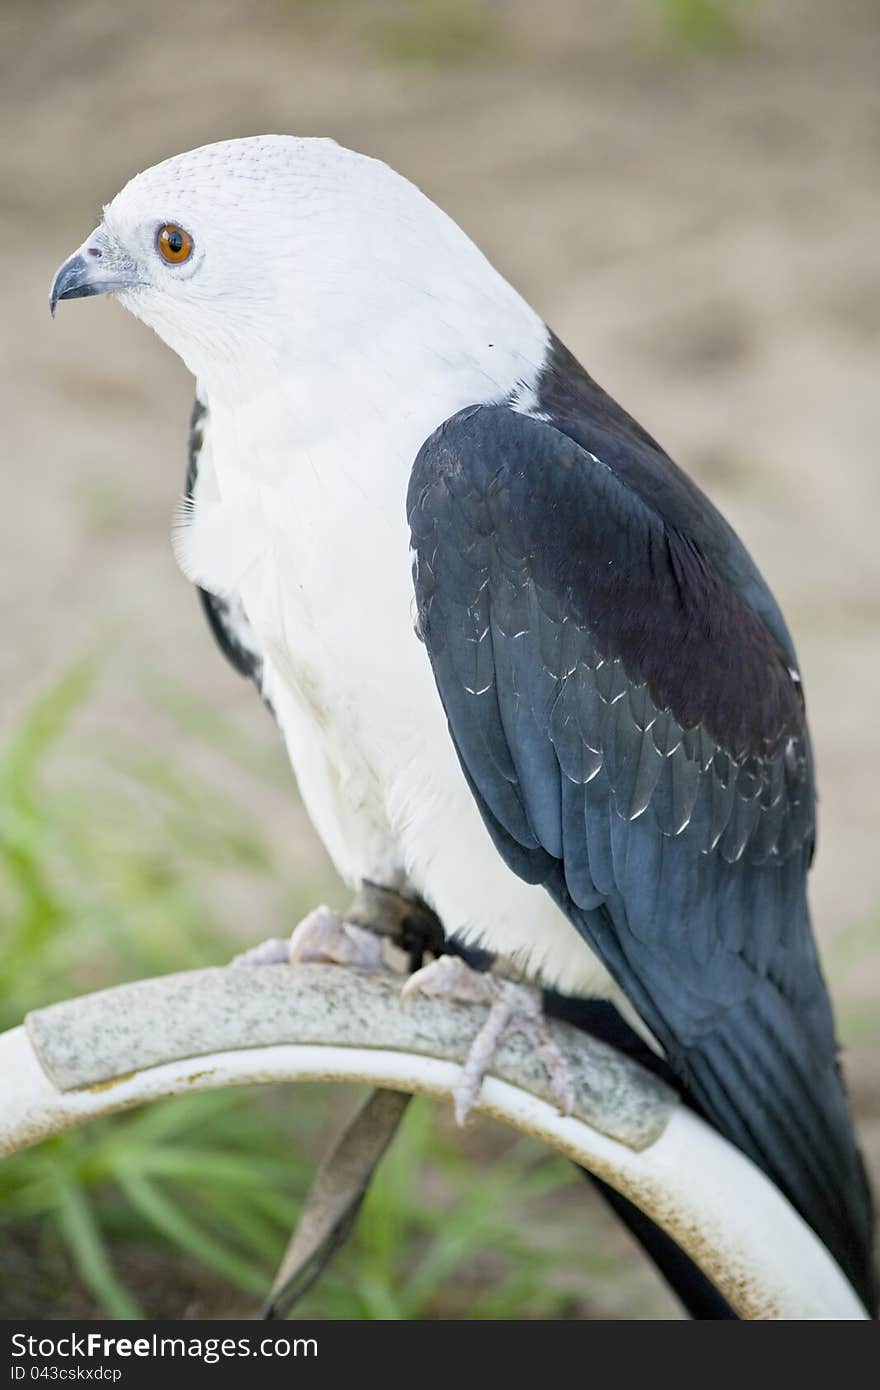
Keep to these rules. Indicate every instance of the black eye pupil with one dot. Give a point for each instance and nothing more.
(175, 242)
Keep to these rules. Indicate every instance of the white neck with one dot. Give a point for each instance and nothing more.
(366, 395)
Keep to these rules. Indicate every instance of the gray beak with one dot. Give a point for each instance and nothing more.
(98, 267)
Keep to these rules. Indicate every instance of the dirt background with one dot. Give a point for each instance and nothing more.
(692, 205)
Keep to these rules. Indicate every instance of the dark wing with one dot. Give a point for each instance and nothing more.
(226, 616)
(616, 679)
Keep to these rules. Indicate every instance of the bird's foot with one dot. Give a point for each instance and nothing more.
(323, 937)
(513, 1008)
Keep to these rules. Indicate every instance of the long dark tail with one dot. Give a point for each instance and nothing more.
(763, 1085)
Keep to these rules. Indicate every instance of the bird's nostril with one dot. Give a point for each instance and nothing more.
(93, 251)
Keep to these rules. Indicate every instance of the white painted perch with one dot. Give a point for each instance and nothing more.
(205, 1029)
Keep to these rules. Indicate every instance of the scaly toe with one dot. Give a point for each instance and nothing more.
(527, 1017)
(448, 977)
(324, 937)
(514, 1008)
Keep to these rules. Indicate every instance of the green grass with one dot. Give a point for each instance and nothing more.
(108, 851)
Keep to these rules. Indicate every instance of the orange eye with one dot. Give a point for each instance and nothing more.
(174, 244)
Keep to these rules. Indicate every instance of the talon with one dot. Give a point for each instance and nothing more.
(323, 936)
(513, 1008)
(448, 977)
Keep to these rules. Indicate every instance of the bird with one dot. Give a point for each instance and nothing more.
(524, 669)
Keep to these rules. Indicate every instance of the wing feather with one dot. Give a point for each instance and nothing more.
(620, 694)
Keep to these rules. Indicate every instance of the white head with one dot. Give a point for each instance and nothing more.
(284, 252)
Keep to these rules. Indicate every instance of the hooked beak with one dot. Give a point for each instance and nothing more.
(98, 267)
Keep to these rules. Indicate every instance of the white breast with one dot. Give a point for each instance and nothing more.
(310, 530)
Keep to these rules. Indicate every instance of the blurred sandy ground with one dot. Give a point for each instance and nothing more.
(699, 223)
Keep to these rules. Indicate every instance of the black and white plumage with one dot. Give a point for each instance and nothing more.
(637, 744)
(625, 806)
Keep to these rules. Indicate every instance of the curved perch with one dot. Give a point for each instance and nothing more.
(205, 1029)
